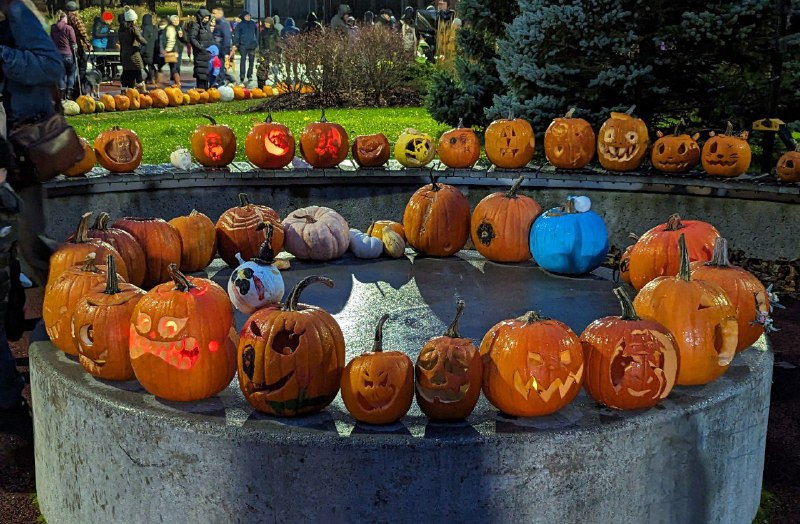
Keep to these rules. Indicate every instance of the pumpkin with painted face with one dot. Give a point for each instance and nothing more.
(788, 168)
(183, 339)
(371, 150)
(378, 386)
(213, 145)
(324, 144)
(414, 149)
(101, 327)
(622, 142)
(270, 145)
(630, 363)
(532, 366)
(118, 150)
(727, 154)
(237, 231)
(291, 358)
(569, 143)
(675, 153)
(257, 282)
(459, 148)
(448, 374)
(510, 142)
(436, 219)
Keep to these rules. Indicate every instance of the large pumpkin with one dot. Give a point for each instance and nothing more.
(316, 233)
(788, 168)
(85, 164)
(160, 242)
(270, 145)
(108, 102)
(130, 251)
(532, 366)
(569, 143)
(118, 150)
(675, 153)
(630, 363)
(237, 231)
(448, 374)
(656, 252)
(378, 386)
(145, 101)
(213, 145)
(100, 327)
(324, 144)
(371, 150)
(121, 103)
(87, 104)
(291, 358)
(198, 240)
(160, 98)
(622, 142)
(459, 148)
(744, 290)
(727, 154)
(699, 315)
(257, 282)
(501, 225)
(174, 95)
(414, 149)
(436, 220)
(510, 142)
(183, 339)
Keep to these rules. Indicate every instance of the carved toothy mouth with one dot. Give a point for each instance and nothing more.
(722, 162)
(181, 353)
(525, 388)
(674, 163)
(275, 386)
(619, 154)
(381, 393)
(445, 395)
(98, 362)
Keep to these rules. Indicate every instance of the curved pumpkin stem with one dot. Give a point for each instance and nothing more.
(512, 191)
(531, 317)
(308, 218)
(370, 228)
(322, 119)
(377, 347)
(434, 180)
(181, 281)
(102, 221)
(631, 110)
(82, 234)
(210, 119)
(294, 296)
(720, 256)
(729, 129)
(194, 213)
(510, 115)
(269, 117)
(88, 265)
(266, 255)
(633, 236)
(680, 126)
(571, 112)
(112, 280)
(674, 223)
(243, 200)
(685, 272)
(452, 331)
(460, 123)
(628, 311)
(569, 206)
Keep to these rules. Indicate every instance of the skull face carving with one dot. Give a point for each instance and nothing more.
(414, 149)
(675, 153)
(622, 142)
(569, 142)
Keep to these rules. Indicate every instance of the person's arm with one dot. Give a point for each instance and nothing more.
(193, 37)
(237, 36)
(35, 59)
(80, 29)
(73, 41)
(137, 36)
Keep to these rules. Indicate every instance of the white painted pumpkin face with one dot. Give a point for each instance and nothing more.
(181, 159)
(253, 286)
(365, 246)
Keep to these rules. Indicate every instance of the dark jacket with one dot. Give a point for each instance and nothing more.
(201, 38)
(246, 35)
(312, 24)
(337, 22)
(150, 33)
(222, 35)
(268, 40)
(64, 38)
(289, 29)
(130, 42)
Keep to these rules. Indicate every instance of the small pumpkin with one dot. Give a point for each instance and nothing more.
(160, 98)
(459, 148)
(258, 282)
(324, 144)
(675, 153)
(365, 246)
(316, 233)
(118, 150)
(108, 102)
(194, 96)
(378, 386)
(133, 97)
(238, 93)
(101, 107)
(727, 154)
(181, 159)
(257, 93)
(371, 150)
(204, 97)
(510, 142)
(225, 93)
(414, 149)
(270, 145)
(85, 164)
(393, 244)
(131, 263)
(436, 219)
(378, 227)
(70, 108)
(145, 101)
(198, 241)
(86, 104)
(788, 168)
(160, 242)
(237, 231)
(121, 103)
(175, 96)
(569, 143)
(214, 95)
(622, 142)
(213, 145)
(186, 100)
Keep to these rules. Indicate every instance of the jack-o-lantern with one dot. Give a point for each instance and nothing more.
(788, 168)
(183, 339)
(459, 148)
(324, 144)
(213, 145)
(257, 282)
(532, 366)
(316, 233)
(118, 150)
(270, 145)
(414, 149)
(237, 231)
(625, 261)
(291, 358)
(510, 142)
(622, 142)
(436, 219)
(85, 164)
(377, 228)
(160, 242)
(101, 327)
(501, 225)
(630, 363)
(378, 386)
(198, 240)
(675, 153)
(727, 154)
(448, 374)
(371, 150)
(699, 315)
(132, 257)
(160, 98)
(569, 143)
(744, 290)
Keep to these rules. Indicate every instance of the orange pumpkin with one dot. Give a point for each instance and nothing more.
(630, 363)
(174, 95)
(727, 154)
(213, 145)
(118, 150)
(213, 95)
(622, 142)
(270, 145)
(203, 96)
(291, 358)
(788, 168)
(744, 290)
(436, 219)
(675, 153)
(198, 241)
(324, 144)
(238, 232)
(160, 242)
(459, 148)
(183, 339)
(510, 142)
(625, 261)
(86, 164)
(121, 103)
(371, 150)
(87, 104)
(194, 96)
(377, 228)
(448, 374)
(108, 102)
(501, 225)
(145, 101)
(133, 97)
(378, 386)
(699, 315)
(131, 253)
(160, 98)
(569, 143)
(532, 366)
(238, 93)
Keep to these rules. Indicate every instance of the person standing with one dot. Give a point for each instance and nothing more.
(150, 49)
(276, 21)
(290, 29)
(63, 37)
(100, 29)
(408, 29)
(201, 38)
(245, 40)
(338, 22)
(223, 38)
(385, 20)
(268, 41)
(312, 24)
(84, 42)
(130, 45)
(174, 43)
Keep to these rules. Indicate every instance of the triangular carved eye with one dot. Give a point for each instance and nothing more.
(255, 330)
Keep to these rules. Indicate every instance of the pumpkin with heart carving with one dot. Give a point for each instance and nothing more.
(569, 143)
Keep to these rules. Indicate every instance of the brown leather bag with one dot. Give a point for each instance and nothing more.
(170, 57)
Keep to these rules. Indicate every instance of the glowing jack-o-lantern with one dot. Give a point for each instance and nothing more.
(510, 142)
(324, 144)
(459, 148)
(630, 363)
(378, 386)
(371, 150)
(118, 150)
(622, 142)
(569, 143)
(532, 366)
(291, 357)
(213, 145)
(414, 149)
(727, 154)
(675, 153)
(183, 339)
(270, 145)
(788, 168)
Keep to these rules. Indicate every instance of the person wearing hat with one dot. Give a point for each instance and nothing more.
(130, 47)
(82, 36)
(223, 38)
(201, 38)
(150, 49)
(100, 29)
(245, 40)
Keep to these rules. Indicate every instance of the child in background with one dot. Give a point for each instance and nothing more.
(214, 65)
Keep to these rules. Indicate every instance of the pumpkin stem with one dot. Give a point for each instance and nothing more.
(269, 117)
(88, 264)
(512, 191)
(82, 234)
(308, 218)
(434, 179)
(266, 255)
(510, 114)
(452, 331)
(101, 222)
(460, 123)
(322, 119)
(571, 112)
(633, 236)
(112, 281)
(628, 311)
(531, 317)
(181, 282)
(797, 147)
(631, 110)
(720, 256)
(243, 200)
(294, 296)
(729, 129)
(674, 223)
(194, 213)
(210, 119)
(569, 206)
(377, 347)
(685, 272)
(370, 228)
(680, 126)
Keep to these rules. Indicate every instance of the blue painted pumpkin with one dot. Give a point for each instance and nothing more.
(567, 242)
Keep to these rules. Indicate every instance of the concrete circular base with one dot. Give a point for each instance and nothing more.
(110, 452)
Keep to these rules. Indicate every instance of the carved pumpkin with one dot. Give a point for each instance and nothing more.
(257, 282)
(121, 103)
(100, 327)
(131, 254)
(532, 366)
(630, 363)
(744, 290)
(183, 339)
(625, 261)
(622, 142)
(788, 168)
(108, 102)
(414, 149)
(85, 164)
(237, 231)
(699, 315)
(459, 148)
(569, 143)
(371, 150)
(448, 374)
(198, 241)
(316, 233)
(291, 358)
(133, 97)
(656, 252)
(213, 145)
(727, 154)
(160, 98)
(145, 101)
(365, 246)
(510, 143)
(436, 219)
(377, 228)
(501, 225)
(378, 386)
(270, 145)
(160, 242)
(118, 150)
(675, 153)
(87, 104)
(324, 144)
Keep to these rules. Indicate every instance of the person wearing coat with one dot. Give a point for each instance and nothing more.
(151, 49)
(130, 44)
(201, 38)
(174, 42)
(245, 40)
(290, 29)
(312, 24)
(338, 22)
(268, 42)
(63, 37)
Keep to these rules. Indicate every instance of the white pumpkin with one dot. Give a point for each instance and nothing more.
(316, 233)
(393, 244)
(71, 108)
(181, 159)
(256, 283)
(582, 203)
(365, 246)
(225, 93)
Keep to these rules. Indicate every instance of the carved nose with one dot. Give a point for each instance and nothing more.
(438, 378)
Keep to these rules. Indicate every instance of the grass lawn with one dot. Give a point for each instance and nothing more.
(164, 130)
